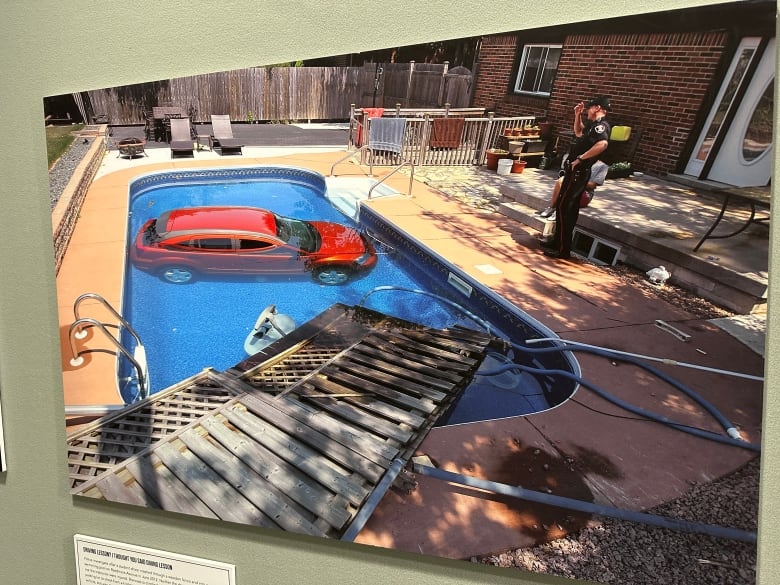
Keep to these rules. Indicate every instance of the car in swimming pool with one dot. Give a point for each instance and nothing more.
(182, 244)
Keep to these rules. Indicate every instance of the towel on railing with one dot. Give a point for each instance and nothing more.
(367, 113)
(446, 132)
(386, 134)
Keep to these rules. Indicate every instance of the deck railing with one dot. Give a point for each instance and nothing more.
(480, 132)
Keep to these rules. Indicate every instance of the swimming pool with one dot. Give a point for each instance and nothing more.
(185, 328)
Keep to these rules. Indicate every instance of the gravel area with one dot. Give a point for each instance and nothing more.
(624, 553)
(62, 170)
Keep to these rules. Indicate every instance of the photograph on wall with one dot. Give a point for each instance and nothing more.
(498, 299)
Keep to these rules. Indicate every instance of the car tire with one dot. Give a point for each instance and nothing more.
(177, 274)
(332, 275)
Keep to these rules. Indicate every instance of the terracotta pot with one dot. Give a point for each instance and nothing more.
(493, 158)
(518, 166)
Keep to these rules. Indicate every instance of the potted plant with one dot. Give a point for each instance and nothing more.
(250, 118)
(518, 165)
(493, 156)
(619, 170)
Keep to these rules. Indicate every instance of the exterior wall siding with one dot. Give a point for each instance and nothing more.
(657, 82)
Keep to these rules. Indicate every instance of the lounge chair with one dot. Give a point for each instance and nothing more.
(222, 135)
(181, 138)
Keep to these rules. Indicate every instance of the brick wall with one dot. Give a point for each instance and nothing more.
(657, 82)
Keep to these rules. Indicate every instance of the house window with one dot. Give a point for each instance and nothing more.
(537, 69)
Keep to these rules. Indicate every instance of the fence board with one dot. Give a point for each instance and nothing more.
(285, 93)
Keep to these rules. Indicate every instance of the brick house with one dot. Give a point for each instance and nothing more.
(696, 85)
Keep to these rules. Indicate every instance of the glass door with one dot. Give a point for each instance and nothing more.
(745, 152)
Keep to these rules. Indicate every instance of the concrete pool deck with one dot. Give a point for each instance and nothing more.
(586, 448)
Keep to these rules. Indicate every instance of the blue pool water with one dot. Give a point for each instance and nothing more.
(185, 328)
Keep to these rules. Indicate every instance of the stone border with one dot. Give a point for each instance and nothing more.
(68, 208)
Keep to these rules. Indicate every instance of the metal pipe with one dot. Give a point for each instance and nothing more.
(666, 361)
(586, 507)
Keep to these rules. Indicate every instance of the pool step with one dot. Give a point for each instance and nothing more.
(344, 193)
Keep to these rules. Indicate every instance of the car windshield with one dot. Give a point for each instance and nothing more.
(298, 233)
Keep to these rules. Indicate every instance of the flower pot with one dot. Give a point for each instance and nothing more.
(493, 157)
(518, 166)
(516, 146)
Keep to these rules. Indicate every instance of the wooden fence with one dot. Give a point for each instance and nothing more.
(284, 93)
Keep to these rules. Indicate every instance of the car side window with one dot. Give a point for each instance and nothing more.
(219, 244)
(249, 244)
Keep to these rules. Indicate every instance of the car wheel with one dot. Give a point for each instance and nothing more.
(332, 275)
(177, 274)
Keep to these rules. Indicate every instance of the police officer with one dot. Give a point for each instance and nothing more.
(591, 140)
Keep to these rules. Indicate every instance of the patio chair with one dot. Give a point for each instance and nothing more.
(181, 138)
(222, 135)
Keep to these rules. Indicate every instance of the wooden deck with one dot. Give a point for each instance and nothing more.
(306, 437)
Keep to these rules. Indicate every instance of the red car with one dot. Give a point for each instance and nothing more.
(184, 243)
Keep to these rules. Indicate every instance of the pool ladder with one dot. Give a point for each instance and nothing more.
(354, 153)
(78, 330)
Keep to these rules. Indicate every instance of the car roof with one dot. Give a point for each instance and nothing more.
(222, 218)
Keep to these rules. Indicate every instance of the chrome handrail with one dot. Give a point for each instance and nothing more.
(108, 306)
(391, 173)
(76, 359)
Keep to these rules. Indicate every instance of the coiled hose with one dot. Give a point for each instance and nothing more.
(733, 437)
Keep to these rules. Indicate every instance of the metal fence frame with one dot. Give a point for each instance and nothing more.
(480, 133)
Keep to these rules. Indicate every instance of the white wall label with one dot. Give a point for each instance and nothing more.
(105, 562)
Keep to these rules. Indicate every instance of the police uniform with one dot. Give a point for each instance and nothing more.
(567, 208)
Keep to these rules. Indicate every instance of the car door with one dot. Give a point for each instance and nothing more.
(214, 254)
(258, 255)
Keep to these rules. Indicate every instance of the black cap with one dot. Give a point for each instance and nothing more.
(600, 100)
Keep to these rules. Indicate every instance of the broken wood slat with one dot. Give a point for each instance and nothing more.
(425, 347)
(168, 491)
(361, 420)
(333, 508)
(323, 432)
(367, 401)
(413, 351)
(432, 388)
(465, 339)
(333, 440)
(339, 479)
(357, 382)
(265, 496)
(116, 490)
(224, 500)
(411, 365)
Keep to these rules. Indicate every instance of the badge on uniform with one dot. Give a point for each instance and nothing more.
(599, 128)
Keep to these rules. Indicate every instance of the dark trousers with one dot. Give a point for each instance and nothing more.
(567, 208)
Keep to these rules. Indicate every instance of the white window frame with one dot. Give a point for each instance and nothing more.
(521, 73)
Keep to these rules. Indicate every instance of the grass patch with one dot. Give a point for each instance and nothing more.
(59, 139)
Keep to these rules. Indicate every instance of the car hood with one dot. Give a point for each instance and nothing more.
(338, 239)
